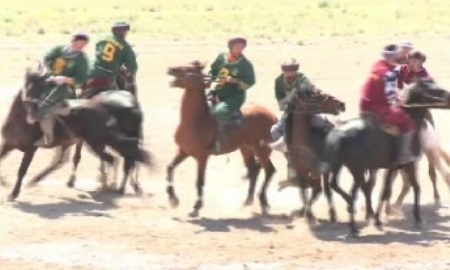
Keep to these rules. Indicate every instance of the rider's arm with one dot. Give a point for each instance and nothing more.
(246, 78)
(214, 69)
(130, 60)
(81, 71)
(280, 93)
(51, 55)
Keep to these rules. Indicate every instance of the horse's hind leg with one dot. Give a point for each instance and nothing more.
(128, 166)
(173, 198)
(316, 190)
(76, 160)
(25, 163)
(253, 169)
(263, 155)
(433, 178)
(99, 150)
(61, 157)
(385, 196)
(329, 195)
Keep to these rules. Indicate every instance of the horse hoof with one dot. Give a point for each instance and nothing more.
(379, 225)
(333, 218)
(311, 218)
(71, 182)
(437, 203)
(248, 202)
(298, 213)
(120, 191)
(174, 202)
(354, 233)
(10, 198)
(193, 214)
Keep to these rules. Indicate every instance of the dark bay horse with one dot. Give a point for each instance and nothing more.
(124, 106)
(197, 130)
(362, 145)
(89, 122)
(305, 144)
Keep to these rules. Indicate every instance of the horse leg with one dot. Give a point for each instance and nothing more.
(410, 171)
(316, 190)
(201, 167)
(334, 185)
(354, 231)
(180, 157)
(76, 160)
(263, 155)
(25, 163)
(253, 169)
(4, 150)
(99, 150)
(61, 156)
(128, 166)
(396, 208)
(433, 179)
(386, 194)
(329, 195)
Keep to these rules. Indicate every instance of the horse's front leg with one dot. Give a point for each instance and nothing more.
(61, 157)
(76, 160)
(4, 150)
(200, 183)
(177, 160)
(25, 163)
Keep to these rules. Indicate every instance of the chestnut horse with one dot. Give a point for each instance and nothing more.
(197, 130)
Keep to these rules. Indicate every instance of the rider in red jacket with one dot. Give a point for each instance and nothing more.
(379, 97)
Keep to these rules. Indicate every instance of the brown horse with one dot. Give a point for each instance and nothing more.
(306, 143)
(197, 131)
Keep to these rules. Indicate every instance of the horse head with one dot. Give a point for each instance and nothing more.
(190, 76)
(33, 90)
(426, 93)
(315, 102)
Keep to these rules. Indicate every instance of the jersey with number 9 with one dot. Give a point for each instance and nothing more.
(111, 52)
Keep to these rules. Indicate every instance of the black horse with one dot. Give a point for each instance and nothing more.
(123, 105)
(362, 145)
(89, 122)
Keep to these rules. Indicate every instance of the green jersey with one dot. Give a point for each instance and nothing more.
(284, 88)
(111, 53)
(241, 70)
(62, 61)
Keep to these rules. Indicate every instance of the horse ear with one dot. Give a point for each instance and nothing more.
(41, 68)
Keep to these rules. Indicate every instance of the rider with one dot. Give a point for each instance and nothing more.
(379, 96)
(285, 85)
(414, 69)
(234, 74)
(405, 49)
(68, 66)
(111, 52)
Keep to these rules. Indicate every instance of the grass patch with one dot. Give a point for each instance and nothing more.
(200, 19)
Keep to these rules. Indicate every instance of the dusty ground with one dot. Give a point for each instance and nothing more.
(53, 227)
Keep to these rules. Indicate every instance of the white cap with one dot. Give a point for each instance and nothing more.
(406, 44)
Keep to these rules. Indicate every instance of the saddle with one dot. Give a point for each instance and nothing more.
(374, 121)
(236, 119)
(95, 86)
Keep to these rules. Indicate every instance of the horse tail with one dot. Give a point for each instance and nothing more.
(129, 147)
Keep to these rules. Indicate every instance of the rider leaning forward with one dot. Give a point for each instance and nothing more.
(68, 66)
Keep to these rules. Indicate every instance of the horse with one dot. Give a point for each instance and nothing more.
(436, 156)
(305, 144)
(127, 111)
(197, 128)
(89, 122)
(362, 144)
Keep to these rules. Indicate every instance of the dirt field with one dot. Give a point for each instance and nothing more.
(53, 227)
